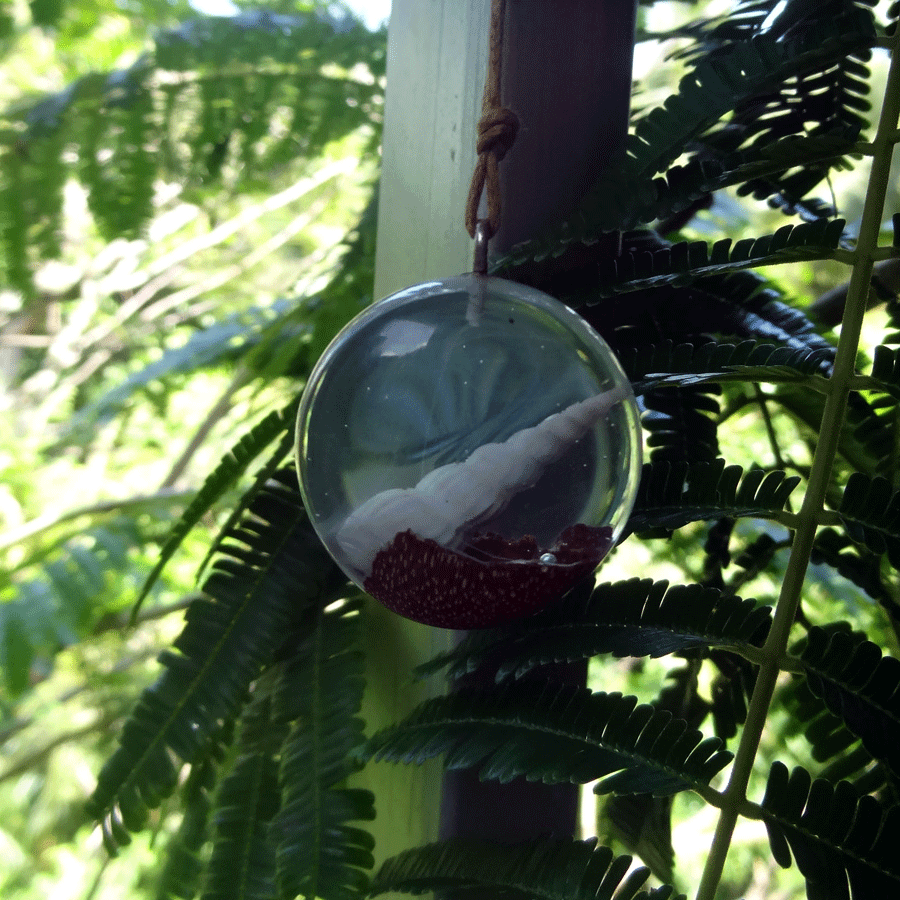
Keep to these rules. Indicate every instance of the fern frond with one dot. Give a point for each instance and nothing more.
(886, 369)
(242, 863)
(543, 869)
(830, 742)
(837, 837)
(637, 617)
(643, 823)
(318, 853)
(180, 874)
(858, 684)
(556, 734)
(71, 588)
(673, 494)
(682, 422)
(867, 441)
(222, 342)
(856, 564)
(197, 106)
(683, 364)
(870, 511)
(685, 261)
(274, 570)
(756, 166)
(222, 479)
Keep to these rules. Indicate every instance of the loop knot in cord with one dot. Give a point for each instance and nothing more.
(497, 131)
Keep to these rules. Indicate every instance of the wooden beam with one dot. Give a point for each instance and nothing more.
(437, 53)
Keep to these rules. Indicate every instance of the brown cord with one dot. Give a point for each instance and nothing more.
(496, 133)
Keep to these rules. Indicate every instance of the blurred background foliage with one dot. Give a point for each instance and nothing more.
(166, 280)
(186, 217)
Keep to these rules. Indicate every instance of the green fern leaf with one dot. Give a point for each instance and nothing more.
(318, 853)
(683, 364)
(681, 263)
(275, 569)
(544, 869)
(855, 563)
(643, 823)
(867, 440)
(263, 476)
(222, 479)
(72, 587)
(870, 510)
(681, 423)
(637, 617)
(830, 742)
(222, 342)
(556, 734)
(860, 686)
(673, 494)
(837, 837)
(886, 370)
(746, 70)
(241, 865)
(179, 877)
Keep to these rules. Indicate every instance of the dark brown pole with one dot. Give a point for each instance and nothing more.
(567, 76)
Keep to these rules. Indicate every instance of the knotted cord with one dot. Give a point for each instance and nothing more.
(497, 131)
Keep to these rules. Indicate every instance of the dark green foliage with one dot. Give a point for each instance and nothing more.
(675, 493)
(886, 368)
(183, 867)
(637, 617)
(843, 843)
(855, 563)
(251, 597)
(549, 870)
(751, 73)
(222, 479)
(678, 262)
(643, 823)
(77, 583)
(242, 865)
(860, 686)
(870, 511)
(840, 753)
(318, 853)
(556, 734)
(747, 361)
(242, 862)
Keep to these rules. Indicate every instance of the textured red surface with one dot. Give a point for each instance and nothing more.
(490, 581)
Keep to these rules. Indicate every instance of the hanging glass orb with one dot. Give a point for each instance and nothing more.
(468, 449)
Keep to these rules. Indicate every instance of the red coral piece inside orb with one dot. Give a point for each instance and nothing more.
(488, 582)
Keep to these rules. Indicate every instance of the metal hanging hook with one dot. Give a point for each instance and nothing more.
(480, 256)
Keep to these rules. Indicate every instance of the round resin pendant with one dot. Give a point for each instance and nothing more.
(468, 449)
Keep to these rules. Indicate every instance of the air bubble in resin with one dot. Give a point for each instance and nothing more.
(468, 449)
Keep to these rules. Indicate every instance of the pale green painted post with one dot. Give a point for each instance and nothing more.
(437, 56)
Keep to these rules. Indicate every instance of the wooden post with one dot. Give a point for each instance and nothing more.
(567, 75)
(437, 54)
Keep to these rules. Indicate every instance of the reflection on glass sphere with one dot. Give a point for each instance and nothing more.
(468, 449)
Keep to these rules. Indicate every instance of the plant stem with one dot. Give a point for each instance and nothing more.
(808, 517)
(49, 521)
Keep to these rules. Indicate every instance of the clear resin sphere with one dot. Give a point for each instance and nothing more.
(468, 449)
